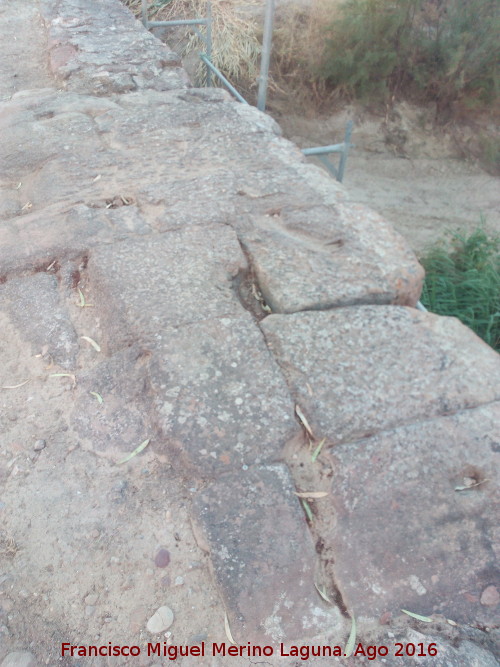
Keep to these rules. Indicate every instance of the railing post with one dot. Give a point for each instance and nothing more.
(208, 41)
(343, 155)
(266, 55)
(144, 12)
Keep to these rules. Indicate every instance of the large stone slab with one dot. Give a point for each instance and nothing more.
(142, 286)
(23, 64)
(356, 371)
(413, 520)
(37, 309)
(192, 158)
(221, 401)
(317, 259)
(100, 48)
(263, 557)
(43, 128)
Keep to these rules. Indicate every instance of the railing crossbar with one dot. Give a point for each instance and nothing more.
(322, 150)
(223, 79)
(159, 24)
(343, 149)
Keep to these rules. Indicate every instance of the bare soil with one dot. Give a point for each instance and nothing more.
(79, 531)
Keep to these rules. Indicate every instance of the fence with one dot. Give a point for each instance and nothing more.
(320, 151)
(206, 38)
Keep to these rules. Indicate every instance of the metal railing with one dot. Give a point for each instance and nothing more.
(320, 151)
(206, 38)
(209, 64)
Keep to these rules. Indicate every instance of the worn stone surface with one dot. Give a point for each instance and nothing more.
(448, 648)
(183, 158)
(19, 70)
(33, 241)
(452, 655)
(144, 285)
(263, 556)
(98, 48)
(171, 208)
(37, 308)
(402, 535)
(220, 398)
(123, 419)
(301, 264)
(355, 371)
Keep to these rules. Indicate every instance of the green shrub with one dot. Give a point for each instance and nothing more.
(464, 281)
(439, 50)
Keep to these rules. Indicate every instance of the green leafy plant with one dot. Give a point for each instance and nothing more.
(463, 281)
(440, 50)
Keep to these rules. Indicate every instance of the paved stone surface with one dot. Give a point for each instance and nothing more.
(123, 420)
(37, 309)
(96, 47)
(144, 285)
(401, 532)
(171, 208)
(301, 264)
(263, 557)
(184, 158)
(22, 66)
(356, 371)
(449, 655)
(220, 398)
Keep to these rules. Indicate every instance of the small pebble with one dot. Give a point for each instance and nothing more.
(195, 564)
(385, 618)
(161, 620)
(162, 558)
(198, 639)
(39, 445)
(490, 597)
(179, 581)
(91, 599)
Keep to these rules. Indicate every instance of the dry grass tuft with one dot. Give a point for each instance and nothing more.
(298, 48)
(235, 33)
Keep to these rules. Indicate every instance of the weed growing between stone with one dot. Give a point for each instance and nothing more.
(463, 281)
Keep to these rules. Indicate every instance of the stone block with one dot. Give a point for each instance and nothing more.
(142, 286)
(356, 371)
(221, 400)
(263, 557)
(316, 258)
(413, 520)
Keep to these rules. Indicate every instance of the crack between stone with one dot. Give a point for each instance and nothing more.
(408, 423)
(320, 568)
(322, 562)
